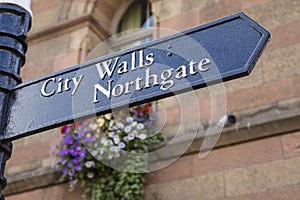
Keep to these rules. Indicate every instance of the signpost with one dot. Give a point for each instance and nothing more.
(218, 51)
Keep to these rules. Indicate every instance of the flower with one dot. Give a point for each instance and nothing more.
(78, 168)
(120, 125)
(90, 175)
(141, 136)
(71, 173)
(131, 136)
(127, 129)
(86, 143)
(63, 152)
(140, 126)
(68, 139)
(65, 129)
(70, 165)
(129, 119)
(134, 123)
(122, 145)
(94, 153)
(116, 139)
(111, 134)
(89, 164)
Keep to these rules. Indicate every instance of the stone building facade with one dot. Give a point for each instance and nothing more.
(256, 158)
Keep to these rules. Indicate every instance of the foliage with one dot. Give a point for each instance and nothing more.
(91, 152)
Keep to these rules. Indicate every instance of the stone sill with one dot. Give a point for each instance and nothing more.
(254, 123)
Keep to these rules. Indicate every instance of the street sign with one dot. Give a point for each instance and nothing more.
(218, 51)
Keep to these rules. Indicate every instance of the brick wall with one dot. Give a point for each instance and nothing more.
(258, 158)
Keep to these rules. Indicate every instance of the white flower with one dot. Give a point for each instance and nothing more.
(112, 148)
(134, 132)
(129, 119)
(122, 145)
(125, 139)
(89, 164)
(111, 134)
(101, 151)
(120, 125)
(94, 153)
(90, 175)
(109, 143)
(142, 136)
(117, 155)
(131, 136)
(104, 141)
(127, 129)
(110, 156)
(140, 126)
(111, 125)
(116, 139)
(134, 124)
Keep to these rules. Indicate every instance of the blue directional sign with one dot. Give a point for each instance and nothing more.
(218, 51)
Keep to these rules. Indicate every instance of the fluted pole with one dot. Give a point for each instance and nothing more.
(15, 22)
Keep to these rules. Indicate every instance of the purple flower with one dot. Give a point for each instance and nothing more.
(76, 160)
(82, 153)
(63, 161)
(63, 152)
(71, 173)
(78, 168)
(70, 164)
(80, 134)
(64, 170)
(90, 139)
(148, 122)
(73, 152)
(68, 140)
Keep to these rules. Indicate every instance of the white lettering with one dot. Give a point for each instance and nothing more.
(104, 91)
(202, 63)
(150, 59)
(107, 69)
(118, 90)
(191, 64)
(133, 61)
(43, 89)
(166, 83)
(76, 83)
(141, 58)
(148, 77)
(181, 72)
(123, 67)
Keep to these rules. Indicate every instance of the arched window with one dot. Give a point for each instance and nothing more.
(132, 28)
(138, 15)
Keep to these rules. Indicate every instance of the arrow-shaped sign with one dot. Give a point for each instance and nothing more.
(218, 51)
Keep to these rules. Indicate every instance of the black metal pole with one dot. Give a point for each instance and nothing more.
(15, 23)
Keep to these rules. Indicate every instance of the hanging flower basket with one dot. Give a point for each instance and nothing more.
(107, 155)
